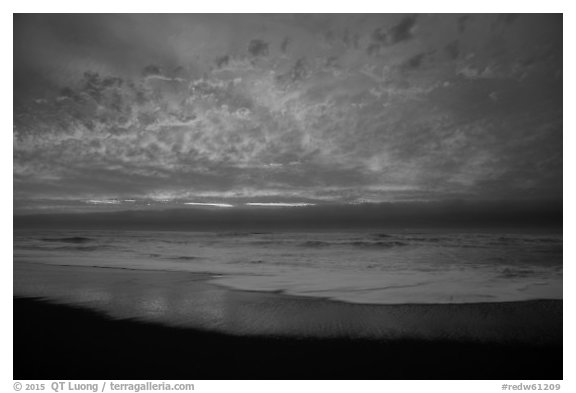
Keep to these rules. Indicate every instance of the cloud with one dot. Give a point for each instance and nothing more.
(403, 30)
(209, 204)
(284, 45)
(258, 48)
(400, 32)
(204, 110)
(151, 70)
(453, 49)
(414, 62)
(104, 202)
(279, 204)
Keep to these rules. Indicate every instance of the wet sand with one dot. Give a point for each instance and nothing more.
(86, 323)
(64, 342)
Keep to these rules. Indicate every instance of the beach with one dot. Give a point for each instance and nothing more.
(288, 196)
(98, 323)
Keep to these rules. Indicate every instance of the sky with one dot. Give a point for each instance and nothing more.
(123, 112)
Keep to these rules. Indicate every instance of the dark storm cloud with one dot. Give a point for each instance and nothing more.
(403, 30)
(325, 108)
(258, 48)
(222, 61)
(395, 34)
(414, 61)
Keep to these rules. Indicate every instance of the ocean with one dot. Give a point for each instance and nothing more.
(402, 267)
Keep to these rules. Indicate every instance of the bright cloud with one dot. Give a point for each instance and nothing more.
(279, 204)
(209, 204)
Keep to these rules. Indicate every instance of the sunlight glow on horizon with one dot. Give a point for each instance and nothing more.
(103, 202)
(280, 204)
(209, 204)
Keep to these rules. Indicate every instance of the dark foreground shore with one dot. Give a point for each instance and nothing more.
(64, 342)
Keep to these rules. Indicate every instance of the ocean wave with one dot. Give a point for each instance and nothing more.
(558, 249)
(516, 273)
(384, 244)
(520, 240)
(184, 258)
(382, 235)
(175, 258)
(79, 248)
(44, 248)
(357, 243)
(426, 239)
(74, 239)
(242, 234)
(316, 243)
